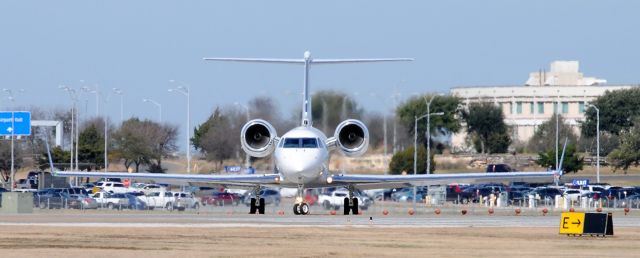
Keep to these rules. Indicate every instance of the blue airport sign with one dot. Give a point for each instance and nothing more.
(581, 182)
(232, 169)
(20, 121)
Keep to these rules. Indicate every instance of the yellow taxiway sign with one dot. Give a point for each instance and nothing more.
(572, 223)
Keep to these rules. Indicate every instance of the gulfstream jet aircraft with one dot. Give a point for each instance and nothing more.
(302, 154)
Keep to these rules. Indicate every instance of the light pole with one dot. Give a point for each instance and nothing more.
(557, 126)
(429, 130)
(247, 161)
(597, 142)
(106, 122)
(11, 131)
(157, 105)
(415, 148)
(185, 91)
(119, 92)
(72, 94)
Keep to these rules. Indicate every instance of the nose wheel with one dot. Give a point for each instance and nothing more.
(301, 209)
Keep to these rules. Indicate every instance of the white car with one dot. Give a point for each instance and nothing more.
(185, 200)
(572, 194)
(112, 187)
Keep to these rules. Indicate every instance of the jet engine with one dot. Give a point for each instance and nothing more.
(352, 137)
(258, 138)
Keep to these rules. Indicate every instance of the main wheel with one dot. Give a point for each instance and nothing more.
(110, 206)
(253, 208)
(354, 208)
(262, 206)
(296, 209)
(347, 206)
(304, 208)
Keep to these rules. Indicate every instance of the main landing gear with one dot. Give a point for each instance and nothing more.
(351, 203)
(300, 207)
(257, 203)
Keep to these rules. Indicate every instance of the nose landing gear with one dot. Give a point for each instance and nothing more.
(300, 207)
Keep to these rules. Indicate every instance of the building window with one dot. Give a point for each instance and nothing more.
(540, 107)
(565, 107)
(581, 107)
(519, 107)
(531, 107)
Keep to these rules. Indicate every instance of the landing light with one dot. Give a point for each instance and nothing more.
(329, 180)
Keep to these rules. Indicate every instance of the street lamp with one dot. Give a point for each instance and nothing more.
(119, 92)
(72, 94)
(106, 121)
(157, 105)
(597, 142)
(429, 129)
(415, 148)
(11, 131)
(185, 91)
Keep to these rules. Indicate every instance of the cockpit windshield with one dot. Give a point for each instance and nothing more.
(300, 143)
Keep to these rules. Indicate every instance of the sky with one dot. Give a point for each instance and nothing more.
(139, 46)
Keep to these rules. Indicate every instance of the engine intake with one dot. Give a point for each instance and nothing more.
(352, 137)
(257, 138)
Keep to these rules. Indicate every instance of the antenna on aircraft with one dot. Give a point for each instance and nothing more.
(307, 61)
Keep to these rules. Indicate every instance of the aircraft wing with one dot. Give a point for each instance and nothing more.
(364, 182)
(224, 180)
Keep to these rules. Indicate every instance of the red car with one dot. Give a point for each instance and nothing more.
(221, 199)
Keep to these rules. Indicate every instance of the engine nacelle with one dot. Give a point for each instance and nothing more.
(258, 138)
(352, 137)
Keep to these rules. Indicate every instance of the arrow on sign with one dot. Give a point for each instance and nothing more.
(576, 223)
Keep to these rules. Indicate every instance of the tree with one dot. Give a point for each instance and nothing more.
(217, 138)
(91, 147)
(572, 162)
(5, 159)
(617, 110)
(440, 125)
(145, 142)
(628, 152)
(329, 108)
(59, 157)
(544, 138)
(375, 124)
(402, 161)
(485, 124)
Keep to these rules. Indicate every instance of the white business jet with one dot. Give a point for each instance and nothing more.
(302, 154)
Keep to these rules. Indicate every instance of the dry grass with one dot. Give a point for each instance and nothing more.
(31, 241)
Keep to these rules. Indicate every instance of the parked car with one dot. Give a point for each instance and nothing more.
(572, 194)
(456, 194)
(270, 197)
(50, 199)
(136, 203)
(111, 200)
(112, 187)
(545, 193)
(81, 202)
(335, 199)
(221, 198)
(159, 200)
(185, 200)
(496, 168)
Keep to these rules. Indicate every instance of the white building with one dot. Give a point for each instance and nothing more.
(563, 89)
